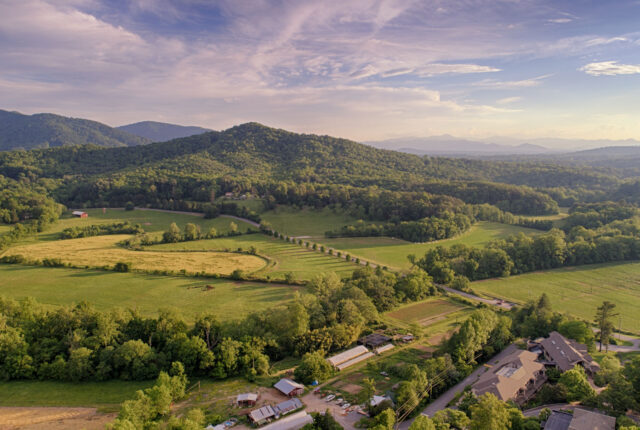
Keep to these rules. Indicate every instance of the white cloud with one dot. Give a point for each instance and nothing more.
(610, 68)
(560, 20)
(508, 100)
(524, 83)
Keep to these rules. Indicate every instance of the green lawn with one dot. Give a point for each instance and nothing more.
(108, 290)
(151, 221)
(306, 222)
(285, 257)
(425, 310)
(393, 252)
(54, 393)
(577, 290)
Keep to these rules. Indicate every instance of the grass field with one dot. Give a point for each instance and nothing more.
(109, 290)
(424, 311)
(151, 221)
(53, 393)
(4, 228)
(306, 222)
(285, 257)
(103, 250)
(577, 290)
(393, 252)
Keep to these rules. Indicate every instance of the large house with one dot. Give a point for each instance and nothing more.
(581, 419)
(563, 353)
(350, 357)
(516, 377)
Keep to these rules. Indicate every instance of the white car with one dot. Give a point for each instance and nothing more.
(329, 398)
(339, 401)
(346, 405)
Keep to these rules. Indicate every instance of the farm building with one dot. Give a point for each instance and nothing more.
(376, 400)
(287, 406)
(293, 422)
(247, 399)
(384, 348)
(580, 419)
(80, 214)
(374, 340)
(350, 357)
(407, 338)
(289, 387)
(517, 377)
(262, 415)
(564, 353)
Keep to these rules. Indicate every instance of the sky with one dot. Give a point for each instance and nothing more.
(359, 69)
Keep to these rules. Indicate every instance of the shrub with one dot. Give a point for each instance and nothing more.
(122, 267)
(129, 206)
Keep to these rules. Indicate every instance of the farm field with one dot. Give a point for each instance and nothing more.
(110, 290)
(577, 291)
(392, 252)
(79, 394)
(425, 311)
(285, 257)
(150, 220)
(306, 222)
(4, 228)
(103, 250)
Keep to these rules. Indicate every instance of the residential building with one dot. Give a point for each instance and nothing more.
(564, 353)
(580, 419)
(516, 377)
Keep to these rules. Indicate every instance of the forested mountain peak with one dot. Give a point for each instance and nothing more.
(161, 131)
(44, 130)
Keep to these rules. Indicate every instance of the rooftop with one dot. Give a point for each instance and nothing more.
(347, 355)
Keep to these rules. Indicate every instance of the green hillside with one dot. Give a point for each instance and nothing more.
(45, 130)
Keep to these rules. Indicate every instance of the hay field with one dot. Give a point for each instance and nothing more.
(103, 250)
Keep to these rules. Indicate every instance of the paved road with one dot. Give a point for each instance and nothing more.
(441, 402)
(623, 348)
(494, 302)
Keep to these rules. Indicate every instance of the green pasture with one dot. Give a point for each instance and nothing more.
(424, 311)
(151, 221)
(392, 252)
(109, 290)
(306, 222)
(284, 257)
(72, 394)
(577, 291)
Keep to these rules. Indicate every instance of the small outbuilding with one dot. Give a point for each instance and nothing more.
(262, 415)
(247, 399)
(287, 406)
(289, 388)
(374, 340)
(80, 214)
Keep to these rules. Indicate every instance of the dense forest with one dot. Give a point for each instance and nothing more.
(260, 160)
(48, 130)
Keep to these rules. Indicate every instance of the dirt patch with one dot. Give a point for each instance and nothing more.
(351, 388)
(437, 339)
(53, 418)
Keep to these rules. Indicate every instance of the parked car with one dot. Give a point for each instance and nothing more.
(346, 405)
(339, 401)
(329, 398)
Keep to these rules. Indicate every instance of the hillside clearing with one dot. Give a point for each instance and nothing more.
(306, 222)
(392, 252)
(577, 291)
(103, 250)
(109, 290)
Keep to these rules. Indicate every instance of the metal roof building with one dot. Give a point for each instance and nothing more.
(292, 422)
(350, 357)
(289, 388)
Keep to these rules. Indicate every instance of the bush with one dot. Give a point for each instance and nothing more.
(129, 206)
(122, 267)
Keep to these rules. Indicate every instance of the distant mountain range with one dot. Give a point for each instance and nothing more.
(44, 130)
(451, 146)
(160, 131)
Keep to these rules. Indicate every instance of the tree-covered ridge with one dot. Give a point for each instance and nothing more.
(46, 130)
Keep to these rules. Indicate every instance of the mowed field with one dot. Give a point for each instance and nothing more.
(285, 257)
(306, 222)
(103, 250)
(577, 291)
(109, 290)
(425, 311)
(393, 253)
(151, 221)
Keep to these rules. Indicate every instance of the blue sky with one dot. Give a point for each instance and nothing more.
(361, 69)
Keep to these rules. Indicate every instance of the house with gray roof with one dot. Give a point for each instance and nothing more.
(580, 419)
(289, 388)
(262, 415)
(565, 353)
